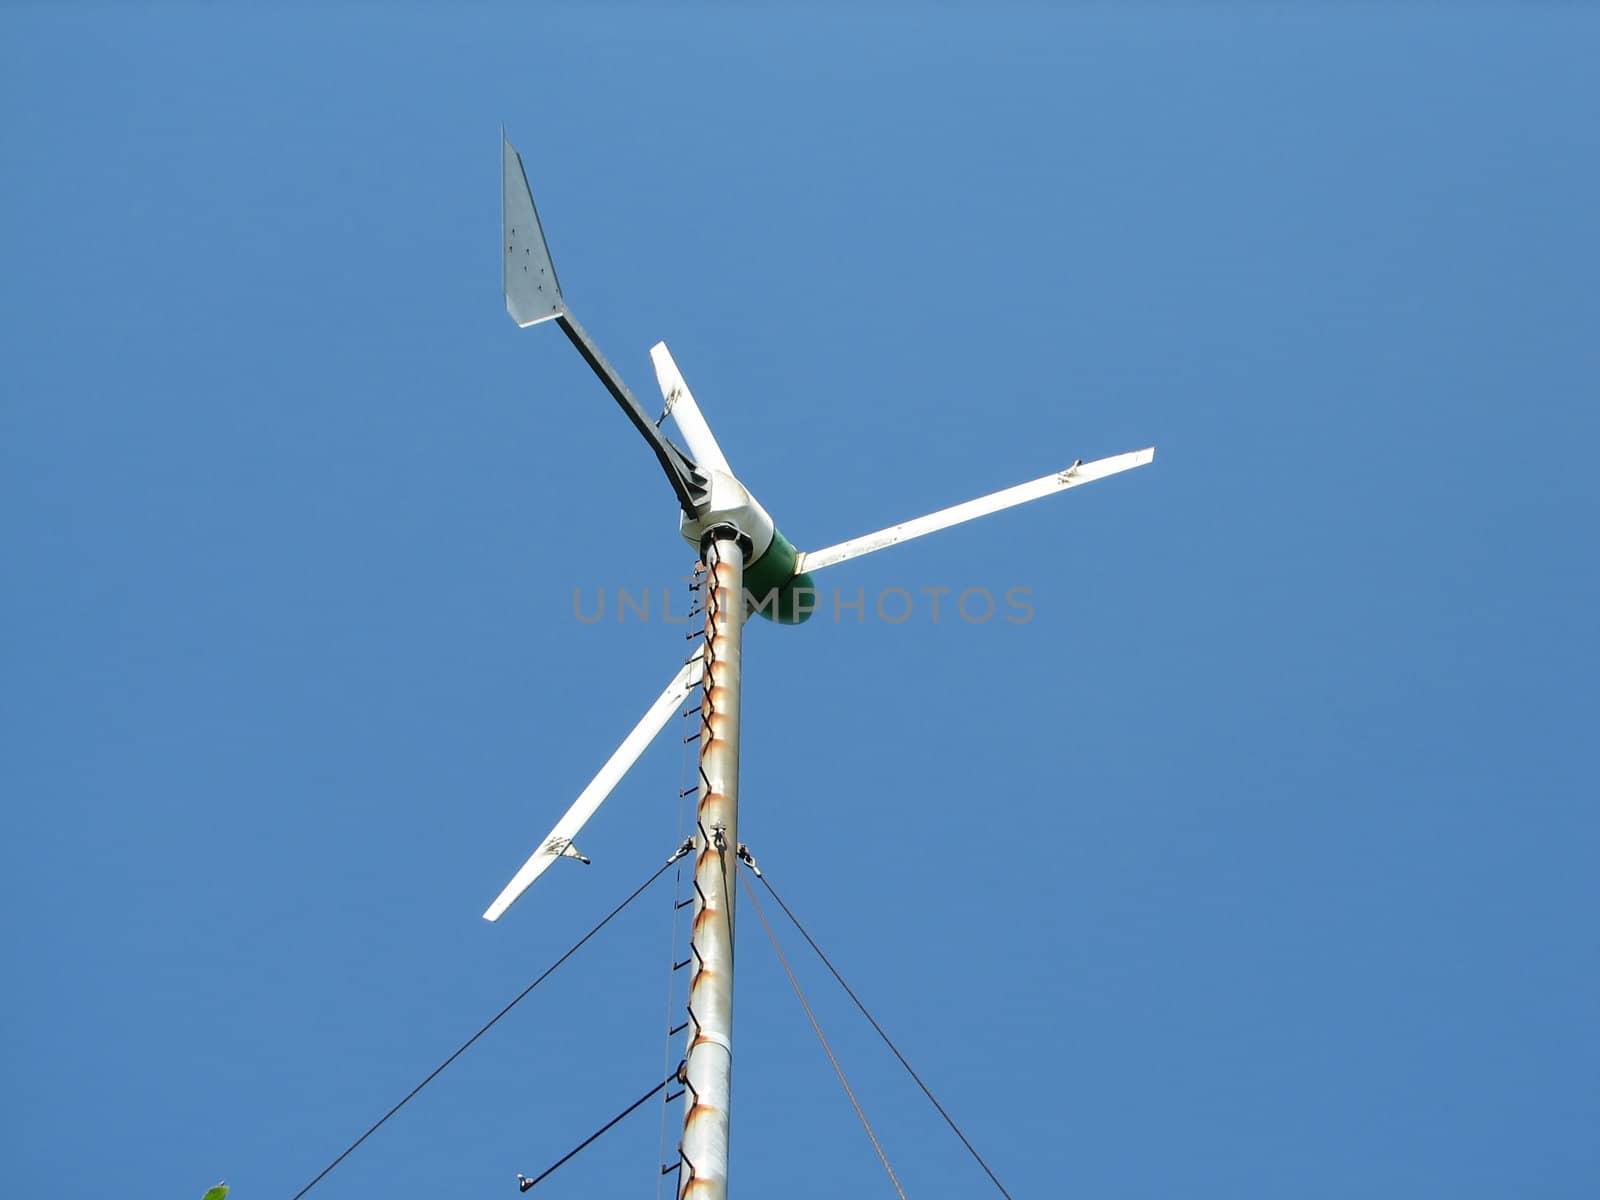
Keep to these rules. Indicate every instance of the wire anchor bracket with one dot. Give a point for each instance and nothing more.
(749, 860)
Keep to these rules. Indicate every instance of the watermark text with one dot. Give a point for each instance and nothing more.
(891, 605)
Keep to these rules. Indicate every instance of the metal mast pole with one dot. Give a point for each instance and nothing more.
(708, 1064)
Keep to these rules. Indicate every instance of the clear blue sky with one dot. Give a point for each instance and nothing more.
(1261, 862)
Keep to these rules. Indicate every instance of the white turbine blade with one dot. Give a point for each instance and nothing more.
(1078, 473)
(559, 843)
(685, 412)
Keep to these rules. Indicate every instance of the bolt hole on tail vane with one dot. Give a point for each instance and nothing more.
(752, 570)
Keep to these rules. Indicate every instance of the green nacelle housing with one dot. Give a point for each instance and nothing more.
(775, 591)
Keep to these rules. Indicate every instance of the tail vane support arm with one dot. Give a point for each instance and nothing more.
(688, 482)
(1078, 473)
(559, 843)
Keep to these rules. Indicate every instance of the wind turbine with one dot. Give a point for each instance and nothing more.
(751, 567)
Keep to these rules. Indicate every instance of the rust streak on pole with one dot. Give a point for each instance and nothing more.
(709, 1062)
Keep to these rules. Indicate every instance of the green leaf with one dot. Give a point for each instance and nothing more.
(219, 1192)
